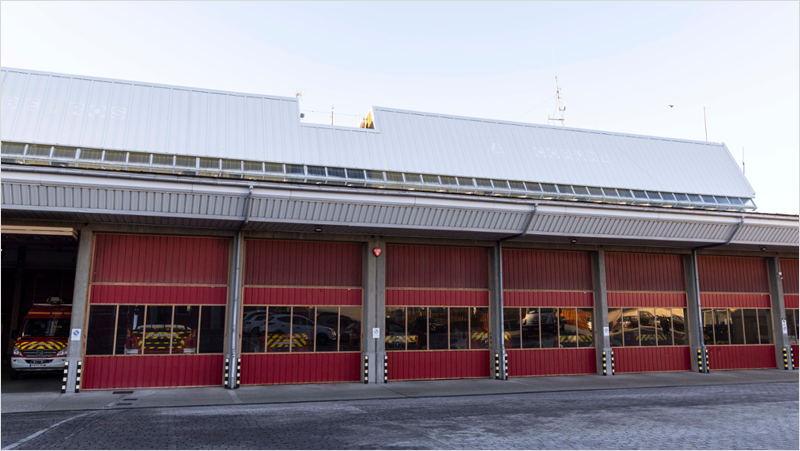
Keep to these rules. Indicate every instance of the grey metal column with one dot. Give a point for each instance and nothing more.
(16, 301)
(602, 340)
(497, 358)
(80, 300)
(373, 350)
(232, 352)
(694, 319)
(779, 314)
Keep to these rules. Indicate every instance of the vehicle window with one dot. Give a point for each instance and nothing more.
(46, 327)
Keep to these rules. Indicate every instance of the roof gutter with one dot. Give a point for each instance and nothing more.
(527, 225)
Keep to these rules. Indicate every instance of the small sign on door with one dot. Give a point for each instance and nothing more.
(76, 335)
(605, 331)
(376, 332)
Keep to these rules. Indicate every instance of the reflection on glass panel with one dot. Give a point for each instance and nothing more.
(708, 326)
(531, 338)
(395, 329)
(615, 327)
(664, 326)
(437, 322)
(459, 328)
(158, 330)
(679, 326)
(184, 329)
(721, 336)
(479, 328)
(791, 323)
(567, 328)
(630, 326)
(765, 326)
(797, 324)
(585, 328)
(212, 330)
(100, 336)
(327, 329)
(254, 327)
(750, 326)
(130, 326)
(417, 328)
(737, 326)
(303, 330)
(350, 336)
(512, 337)
(279, 322)
(647, 327)
(548, 326)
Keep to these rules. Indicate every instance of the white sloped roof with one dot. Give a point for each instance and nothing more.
(87, 112)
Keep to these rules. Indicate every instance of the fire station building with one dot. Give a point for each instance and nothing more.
(213, 238)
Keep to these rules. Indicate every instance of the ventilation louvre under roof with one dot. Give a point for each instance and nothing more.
(20, 153)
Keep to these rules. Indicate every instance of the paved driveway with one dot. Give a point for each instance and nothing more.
(754, 416)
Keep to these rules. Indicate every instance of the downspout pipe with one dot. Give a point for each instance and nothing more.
(236, 292)
(727, 241)
(524, 229)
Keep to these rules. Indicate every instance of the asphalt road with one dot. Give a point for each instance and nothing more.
(755, 416)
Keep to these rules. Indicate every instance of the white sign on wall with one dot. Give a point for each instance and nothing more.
(376, 332)
(605, 331)
(76, 335)
(783, 325)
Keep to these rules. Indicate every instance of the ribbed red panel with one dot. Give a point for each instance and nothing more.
(160, 259)
(732, 274)
(410, 365)
(616, 299)
(734, 300)
(103, 373)
(796, 355)
(302, 263)
(791, 301)
(148, 294)
(446, 298)
(547, 299)
(644, 272)
(312, 368)
(741, 357)
(652, 359)
(525, 269)
(791, 272)
(437, 267)
(302, 296)
(551, 362)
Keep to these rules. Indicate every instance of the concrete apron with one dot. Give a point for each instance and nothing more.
(273, 394)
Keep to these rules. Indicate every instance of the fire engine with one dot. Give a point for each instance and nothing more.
(43, 342)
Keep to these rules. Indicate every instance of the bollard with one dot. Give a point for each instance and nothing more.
(708, 364)
(699, 361)
(605, 369)
(505, 363)
(385, 369)
(785, 359)
(225, 379)
(78, 377)
(612, 362)
(366, 369)
(238, 371)
(497, 366)
(64, 380)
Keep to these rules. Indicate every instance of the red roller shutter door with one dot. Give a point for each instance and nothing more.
(437, 276)
(302, 274)
(539, 278)
(156, 270)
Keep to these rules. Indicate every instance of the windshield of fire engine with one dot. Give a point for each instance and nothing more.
(46, 327)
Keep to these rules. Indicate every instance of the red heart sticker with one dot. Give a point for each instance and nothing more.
(377, 251)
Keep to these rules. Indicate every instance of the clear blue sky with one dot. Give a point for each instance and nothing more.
(619, 64)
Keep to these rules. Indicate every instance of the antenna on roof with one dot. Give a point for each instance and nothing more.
(560, 107)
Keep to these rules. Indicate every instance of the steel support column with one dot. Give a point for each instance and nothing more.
(374, 311)
(694, 319)
(80, 302)
(497, 359)
(779, 314)
(16, 301)
(602, 340)
(232, 353)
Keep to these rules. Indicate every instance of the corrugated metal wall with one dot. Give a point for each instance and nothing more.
(652, 359)
(301, 368)
(303, 263)
(791, 272)
(437, 276)
(796, 355)
(741, 357)
(111, 372)
(735, 300)
(525, 269)
(158, 294)
(411, 365)
(791, 301)
(732, 274)
(538, 278)
(617, 299)
(302, 296)
(551, 362)
(161, 259)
